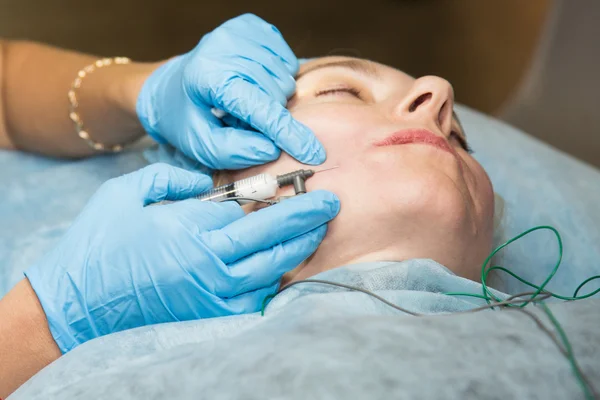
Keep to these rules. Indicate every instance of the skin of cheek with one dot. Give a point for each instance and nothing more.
(481, 185)
(412, 194)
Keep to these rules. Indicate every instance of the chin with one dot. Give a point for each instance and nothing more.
(429, 192)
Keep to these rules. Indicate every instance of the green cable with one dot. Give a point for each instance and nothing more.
(265, 302)
(583, 283)
(587, 388)
(487, 294)
(484, 272)
(567, 298)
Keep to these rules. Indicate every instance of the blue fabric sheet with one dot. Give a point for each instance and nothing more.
(540, 186)
(323, 342)
(40, 199)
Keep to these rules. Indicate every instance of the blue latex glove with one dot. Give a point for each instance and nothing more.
(123, 265)
(245, 68)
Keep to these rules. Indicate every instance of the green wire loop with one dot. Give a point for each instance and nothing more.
(488, 295)
(582, 285)
(484, 272)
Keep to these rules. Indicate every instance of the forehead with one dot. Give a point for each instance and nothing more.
(360, 66)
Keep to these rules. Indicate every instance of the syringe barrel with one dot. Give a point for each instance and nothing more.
(263, 186)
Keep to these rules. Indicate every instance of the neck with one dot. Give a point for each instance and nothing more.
(340, 248)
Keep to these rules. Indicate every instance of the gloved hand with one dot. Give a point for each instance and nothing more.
(245, 68)
(123, 265)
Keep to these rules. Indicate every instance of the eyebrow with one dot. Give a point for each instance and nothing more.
(360, 66)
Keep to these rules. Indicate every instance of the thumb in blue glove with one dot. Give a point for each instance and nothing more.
(123, 265)
(245, 68)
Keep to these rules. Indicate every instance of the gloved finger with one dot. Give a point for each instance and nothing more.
(254, 73)
(272, 64)
(249, 302)
(275, 81)
(272, 226)
(158, 182)
(230, 148)
(268, 266)
(272, 119)
(210, 214)
(265, 35)
(233, 122)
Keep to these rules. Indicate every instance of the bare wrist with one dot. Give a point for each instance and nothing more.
(125, 91)
(107, 103)
(25, 339)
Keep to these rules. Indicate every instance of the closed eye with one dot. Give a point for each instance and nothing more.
(340, 91)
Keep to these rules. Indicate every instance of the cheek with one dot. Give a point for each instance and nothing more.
(483, 194)
(342, 129)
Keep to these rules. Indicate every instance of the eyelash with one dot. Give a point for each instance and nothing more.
(350, 90)
(462, 141)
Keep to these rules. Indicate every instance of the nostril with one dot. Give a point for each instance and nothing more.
(419, 101)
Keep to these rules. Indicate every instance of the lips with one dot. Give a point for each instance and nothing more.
(421, 136)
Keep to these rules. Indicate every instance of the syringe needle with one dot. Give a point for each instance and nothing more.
(327, 169)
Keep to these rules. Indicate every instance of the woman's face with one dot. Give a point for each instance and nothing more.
(407, 184)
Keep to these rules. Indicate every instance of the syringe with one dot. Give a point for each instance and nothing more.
(259, 187)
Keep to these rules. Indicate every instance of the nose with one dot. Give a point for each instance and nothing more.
(430, 100)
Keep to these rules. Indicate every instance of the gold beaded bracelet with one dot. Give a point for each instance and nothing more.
(101, 63)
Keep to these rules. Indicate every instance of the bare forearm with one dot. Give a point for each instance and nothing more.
(35, 80)
(26, 343)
